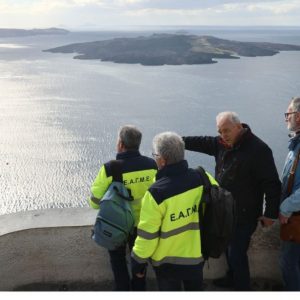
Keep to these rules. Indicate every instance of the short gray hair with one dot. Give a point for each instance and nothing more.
(230, 116)
(130, 136)
(170, 146)
(295, 103)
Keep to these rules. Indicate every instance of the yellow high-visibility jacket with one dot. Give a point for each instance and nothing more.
(168, 231)
(138, 173)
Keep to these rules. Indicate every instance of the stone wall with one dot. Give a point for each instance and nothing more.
(54, 246)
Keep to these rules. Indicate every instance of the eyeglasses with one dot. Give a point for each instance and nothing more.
(155, 155)
(286, 115)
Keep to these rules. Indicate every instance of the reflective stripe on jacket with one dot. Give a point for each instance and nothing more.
(138, 174)
(168, 231)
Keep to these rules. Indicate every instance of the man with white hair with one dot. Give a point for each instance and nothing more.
(245, 167)
(168, 231)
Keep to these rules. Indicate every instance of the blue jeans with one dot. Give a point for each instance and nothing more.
(237, 257)
(289, 262)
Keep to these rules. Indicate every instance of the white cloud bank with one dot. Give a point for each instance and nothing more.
(112, 13)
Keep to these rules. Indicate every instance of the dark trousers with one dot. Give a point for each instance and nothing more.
(237, 257)
(119, 267)
(290, 265)
(167, 283)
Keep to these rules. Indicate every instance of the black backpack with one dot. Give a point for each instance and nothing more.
(216, 218)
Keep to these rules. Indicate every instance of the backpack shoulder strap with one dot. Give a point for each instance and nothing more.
(292, 174)
(117, 176)
(201, 209)
(116, 170)
(206, 181)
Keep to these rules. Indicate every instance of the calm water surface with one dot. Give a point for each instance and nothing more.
(59, 116)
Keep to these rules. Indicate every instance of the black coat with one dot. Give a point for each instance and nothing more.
(247, 170)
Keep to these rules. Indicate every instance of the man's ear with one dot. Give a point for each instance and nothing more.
(240, 125)
(163, 162)
(120, 146)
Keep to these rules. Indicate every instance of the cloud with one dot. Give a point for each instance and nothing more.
(129, 4)
(218, 6)
(185, 4)
(155, 12)
(45, 5)
(284, 7)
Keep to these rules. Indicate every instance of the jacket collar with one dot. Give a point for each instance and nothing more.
(128, 154)
(173, 169)
(294, 141)
(245, 134)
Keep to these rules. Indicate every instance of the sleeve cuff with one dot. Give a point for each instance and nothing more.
(137, 267)
(138, 259)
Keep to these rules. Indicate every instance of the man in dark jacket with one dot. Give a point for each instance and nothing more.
(245, 167)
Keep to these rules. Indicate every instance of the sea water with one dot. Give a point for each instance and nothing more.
(59, 116)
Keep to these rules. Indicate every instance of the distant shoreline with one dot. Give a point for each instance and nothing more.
(11, 32)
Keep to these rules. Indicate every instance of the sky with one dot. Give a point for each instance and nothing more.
(98, 14)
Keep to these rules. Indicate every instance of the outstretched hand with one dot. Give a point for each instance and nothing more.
(266, 222)
(140, 275)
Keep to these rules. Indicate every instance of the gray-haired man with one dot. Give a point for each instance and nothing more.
(290, 200)
(245, 167)
(168, 231)
(138, 173)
